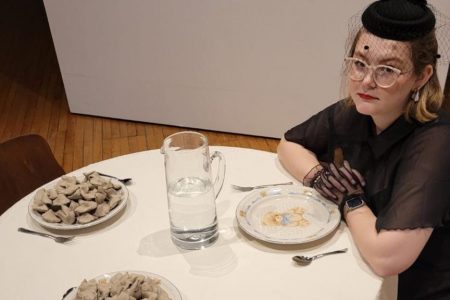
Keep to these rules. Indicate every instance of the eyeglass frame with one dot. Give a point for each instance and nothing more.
(395, 70)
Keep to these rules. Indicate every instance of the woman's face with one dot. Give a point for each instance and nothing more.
(370, 99)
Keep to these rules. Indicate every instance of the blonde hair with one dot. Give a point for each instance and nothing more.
(423, 53)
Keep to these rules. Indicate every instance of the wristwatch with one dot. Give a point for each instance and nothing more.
(352, 202)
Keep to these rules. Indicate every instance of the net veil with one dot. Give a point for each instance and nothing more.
(384, 34)
(441, 29)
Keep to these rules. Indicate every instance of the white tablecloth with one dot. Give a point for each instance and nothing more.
(235, 267)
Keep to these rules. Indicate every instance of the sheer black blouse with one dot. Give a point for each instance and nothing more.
(407, 170)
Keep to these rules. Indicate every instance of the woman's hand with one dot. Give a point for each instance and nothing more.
(335, 182)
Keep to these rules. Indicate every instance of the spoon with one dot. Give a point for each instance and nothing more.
(123, 180)
(59, 239)
(306, 260)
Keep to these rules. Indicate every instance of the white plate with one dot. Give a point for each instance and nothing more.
(296, 215)
(60, 226)
(165, 284)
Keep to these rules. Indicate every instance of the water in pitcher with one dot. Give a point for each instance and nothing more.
(192, 212)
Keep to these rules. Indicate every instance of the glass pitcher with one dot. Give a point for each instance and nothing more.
(191, 190)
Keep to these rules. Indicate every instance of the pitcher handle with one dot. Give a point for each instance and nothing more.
(220, 177)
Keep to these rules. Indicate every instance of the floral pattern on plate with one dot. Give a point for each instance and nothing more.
(287, 215)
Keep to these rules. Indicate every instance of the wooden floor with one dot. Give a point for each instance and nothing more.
(32, 99)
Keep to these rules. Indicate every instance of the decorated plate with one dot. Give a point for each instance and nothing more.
(287, 215)
(165, 284)
(38, 216)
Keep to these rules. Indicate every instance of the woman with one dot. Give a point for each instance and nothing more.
(384, 150)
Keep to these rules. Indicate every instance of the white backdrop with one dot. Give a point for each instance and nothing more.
(251, 66)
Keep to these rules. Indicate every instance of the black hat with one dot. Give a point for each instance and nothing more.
(400, 20)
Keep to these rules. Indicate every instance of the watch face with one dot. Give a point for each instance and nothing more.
(355, 202)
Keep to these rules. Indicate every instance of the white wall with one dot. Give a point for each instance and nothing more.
(250, 66)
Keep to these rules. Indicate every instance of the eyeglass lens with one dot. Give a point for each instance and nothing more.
(382, 75)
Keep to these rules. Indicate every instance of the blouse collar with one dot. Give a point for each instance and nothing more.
(382, 142)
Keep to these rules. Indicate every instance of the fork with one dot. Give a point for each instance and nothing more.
(250, 188)
(58, 239)
(124, 180)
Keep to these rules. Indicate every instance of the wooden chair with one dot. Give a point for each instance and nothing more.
(26, 162)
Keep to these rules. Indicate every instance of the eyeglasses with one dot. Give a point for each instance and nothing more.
(384, 76)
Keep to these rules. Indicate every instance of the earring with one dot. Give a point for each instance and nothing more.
(415, 96)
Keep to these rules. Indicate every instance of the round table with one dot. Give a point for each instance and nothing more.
(237, 266)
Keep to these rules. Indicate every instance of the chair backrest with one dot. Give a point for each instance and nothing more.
(26, 162)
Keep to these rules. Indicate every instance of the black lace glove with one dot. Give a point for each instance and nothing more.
(312, 175)
(334, 183)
